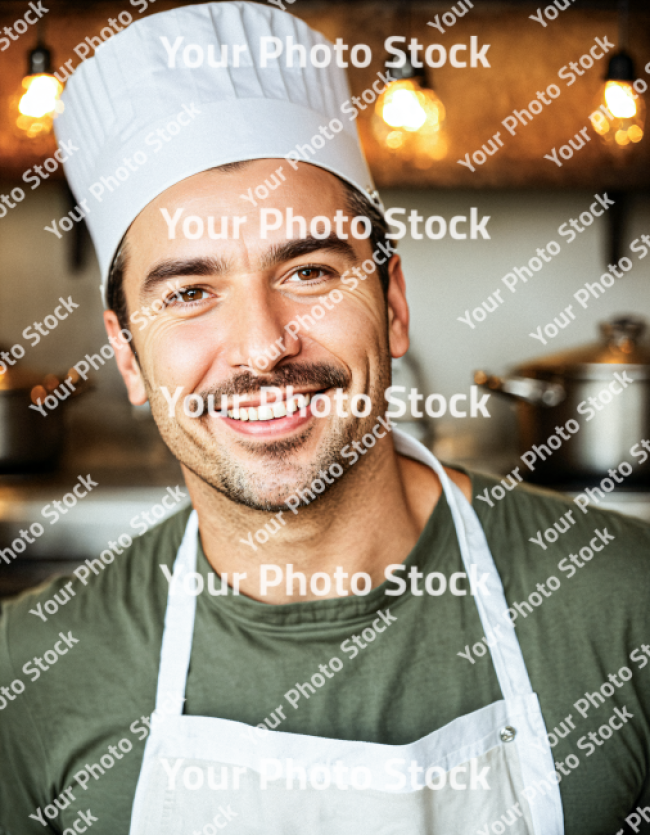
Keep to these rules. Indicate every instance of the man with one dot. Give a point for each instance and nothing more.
(347, 646)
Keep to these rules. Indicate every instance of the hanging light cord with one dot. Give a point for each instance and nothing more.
(623, 23)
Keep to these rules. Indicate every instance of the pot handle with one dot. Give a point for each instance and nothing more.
(535, 392)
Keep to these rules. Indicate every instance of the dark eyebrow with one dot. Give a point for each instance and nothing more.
(211, 265)
(279, 253)
(179, 267)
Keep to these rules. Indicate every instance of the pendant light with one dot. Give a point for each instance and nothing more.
(38, 102)
(619, 117)
(409, 116)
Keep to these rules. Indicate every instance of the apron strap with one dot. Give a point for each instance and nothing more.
(506, 653)
(179, 627)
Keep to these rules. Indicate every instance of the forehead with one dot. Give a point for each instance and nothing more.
(256, 191)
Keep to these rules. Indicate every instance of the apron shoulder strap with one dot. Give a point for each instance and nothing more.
(506, 653)
(179, 627)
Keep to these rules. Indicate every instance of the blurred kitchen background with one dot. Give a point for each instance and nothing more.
(525, 196)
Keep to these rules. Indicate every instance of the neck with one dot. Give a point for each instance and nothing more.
(370, 518)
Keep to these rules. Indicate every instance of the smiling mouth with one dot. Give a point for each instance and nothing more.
(285, 408)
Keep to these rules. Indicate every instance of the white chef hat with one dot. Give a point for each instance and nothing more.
(117, 102)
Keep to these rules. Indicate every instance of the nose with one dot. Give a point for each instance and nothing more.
(256, 339)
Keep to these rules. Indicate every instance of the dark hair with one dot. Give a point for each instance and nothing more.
(355, 202)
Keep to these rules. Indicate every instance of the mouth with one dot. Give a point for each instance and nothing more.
(280, 417)
(273, 411)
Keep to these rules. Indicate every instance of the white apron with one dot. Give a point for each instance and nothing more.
(201, 775)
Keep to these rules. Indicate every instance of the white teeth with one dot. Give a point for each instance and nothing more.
(279, 410)
(274, 410)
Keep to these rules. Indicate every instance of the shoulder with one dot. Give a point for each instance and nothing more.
(576, 582)
(121, 588)
(600, 557)
(79, 658)
(545, 520)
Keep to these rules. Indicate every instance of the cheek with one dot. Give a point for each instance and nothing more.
(178, 354)
(354, 326)
(354, 334)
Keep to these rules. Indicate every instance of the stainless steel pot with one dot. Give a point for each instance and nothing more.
(575, 385)
(28, 440)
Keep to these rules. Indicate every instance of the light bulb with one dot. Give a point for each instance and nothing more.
(39, 104)
(619, 114)
(619, 98)
(42, 94)
(408, 121)
(404, 110)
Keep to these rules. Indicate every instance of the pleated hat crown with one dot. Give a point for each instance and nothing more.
(150, 108)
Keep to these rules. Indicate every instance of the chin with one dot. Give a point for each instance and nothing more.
(266, 501)
(264, 488)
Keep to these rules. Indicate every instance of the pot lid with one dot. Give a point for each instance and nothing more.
(620, 344)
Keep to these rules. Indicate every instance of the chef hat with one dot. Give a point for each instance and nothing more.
(143, 120)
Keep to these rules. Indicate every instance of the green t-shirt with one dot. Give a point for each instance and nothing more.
(101, 649)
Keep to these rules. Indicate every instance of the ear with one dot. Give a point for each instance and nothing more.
(398, 309)
(126, 361)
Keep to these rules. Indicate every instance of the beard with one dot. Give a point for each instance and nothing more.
(277, 473)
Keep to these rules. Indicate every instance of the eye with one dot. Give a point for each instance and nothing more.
(309, 275)
(187, 295)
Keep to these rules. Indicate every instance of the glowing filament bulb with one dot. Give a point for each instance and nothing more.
(402, 109)
(42, 95)
(620, 100)
(408, 121)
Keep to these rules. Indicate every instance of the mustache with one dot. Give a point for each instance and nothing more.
(320, 375)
